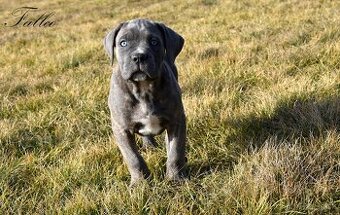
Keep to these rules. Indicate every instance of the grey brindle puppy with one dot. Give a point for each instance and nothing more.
(145, 97)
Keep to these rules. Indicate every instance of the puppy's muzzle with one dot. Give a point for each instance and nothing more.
(140, 74)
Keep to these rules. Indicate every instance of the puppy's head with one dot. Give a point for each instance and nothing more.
(141, 46)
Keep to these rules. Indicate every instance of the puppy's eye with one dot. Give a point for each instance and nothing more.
(123, 43)
(154, 42)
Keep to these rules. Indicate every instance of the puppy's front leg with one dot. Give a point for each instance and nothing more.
(136, 164)
(176, 161)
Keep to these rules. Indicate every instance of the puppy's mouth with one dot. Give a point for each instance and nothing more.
(140, 76)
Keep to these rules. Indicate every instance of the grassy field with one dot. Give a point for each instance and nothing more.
(261, 89)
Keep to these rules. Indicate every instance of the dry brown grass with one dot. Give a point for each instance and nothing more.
(261, 88)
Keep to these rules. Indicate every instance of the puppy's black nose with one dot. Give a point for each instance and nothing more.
(139, 57)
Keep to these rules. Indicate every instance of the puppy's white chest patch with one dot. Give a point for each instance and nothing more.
(147, 122)
(151, 125)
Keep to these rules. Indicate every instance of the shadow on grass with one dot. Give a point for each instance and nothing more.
(292, 119)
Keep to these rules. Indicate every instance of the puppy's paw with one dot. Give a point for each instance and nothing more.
(176, 175)
(136, 181)
(140, 179)
(176, 180)
(177, 171)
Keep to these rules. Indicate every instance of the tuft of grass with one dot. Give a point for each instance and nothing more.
(260, 82)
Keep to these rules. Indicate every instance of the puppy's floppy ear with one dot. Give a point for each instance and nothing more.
(110, 41)
(173, 42)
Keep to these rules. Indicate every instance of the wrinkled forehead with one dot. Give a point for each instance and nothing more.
(138, 28)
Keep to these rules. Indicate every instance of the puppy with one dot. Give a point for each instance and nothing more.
(145, 97)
